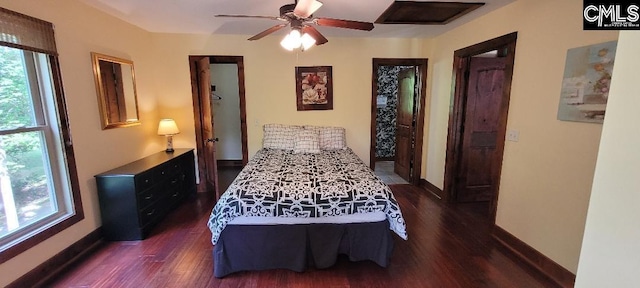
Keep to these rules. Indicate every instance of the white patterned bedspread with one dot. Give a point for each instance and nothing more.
(332, 183)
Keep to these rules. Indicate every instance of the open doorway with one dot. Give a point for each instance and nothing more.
(477, 124)
(397, 116)
(220, 118)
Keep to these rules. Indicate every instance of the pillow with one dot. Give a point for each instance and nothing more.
(331, 138)
(279, 136)
(306, 141)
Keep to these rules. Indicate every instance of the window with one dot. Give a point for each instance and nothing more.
(39, 193)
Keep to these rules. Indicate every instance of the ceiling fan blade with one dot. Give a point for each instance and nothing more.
(349, 24)
(250, 16)
(268, 31)
(315, 35)
(306, 8)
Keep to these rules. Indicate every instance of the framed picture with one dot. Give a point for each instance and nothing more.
(585, 84)
(314, 88)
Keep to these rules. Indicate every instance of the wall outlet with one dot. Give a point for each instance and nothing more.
(513, 135)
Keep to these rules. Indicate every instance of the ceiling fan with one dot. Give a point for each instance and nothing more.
(300, 17)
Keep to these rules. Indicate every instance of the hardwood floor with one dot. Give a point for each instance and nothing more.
(447, 247)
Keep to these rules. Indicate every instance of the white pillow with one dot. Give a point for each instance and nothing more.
(279, 136)
(306, 141)
(331, 138)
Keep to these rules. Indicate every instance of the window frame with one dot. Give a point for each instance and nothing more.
(65, 147)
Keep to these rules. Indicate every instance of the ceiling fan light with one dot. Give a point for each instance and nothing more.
(292, 41)
(286, 43)
(295, 38)
(307, 41)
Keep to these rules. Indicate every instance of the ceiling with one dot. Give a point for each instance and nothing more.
(197, 16)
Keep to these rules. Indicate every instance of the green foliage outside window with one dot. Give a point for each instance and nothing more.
(20, 153)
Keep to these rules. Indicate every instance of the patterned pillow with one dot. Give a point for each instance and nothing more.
(306, 141)
(279, 136)
(331, 138)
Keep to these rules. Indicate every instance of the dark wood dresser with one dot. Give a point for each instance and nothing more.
(136, 196)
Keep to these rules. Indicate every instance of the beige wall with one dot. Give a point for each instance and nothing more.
(270, 81)
(547, 175)
(80, 30)
(610, 249)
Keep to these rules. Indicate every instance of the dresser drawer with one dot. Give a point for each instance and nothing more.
(149, 214)
(176, 166)
(144, 181)
(175, 187)
(161, 172)
(148, 196)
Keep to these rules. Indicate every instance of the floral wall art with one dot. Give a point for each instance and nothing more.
(585, 85)
(314, 88)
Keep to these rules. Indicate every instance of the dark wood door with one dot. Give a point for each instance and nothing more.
(478, 157)
(111, 76)
(207, 130)
(404, 123)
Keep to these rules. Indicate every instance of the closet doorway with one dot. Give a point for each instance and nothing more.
(397, 119)
(220, 117)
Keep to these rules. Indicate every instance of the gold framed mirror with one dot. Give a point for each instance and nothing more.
(116, 89)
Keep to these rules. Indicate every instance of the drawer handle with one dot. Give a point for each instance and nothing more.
(174, 182)
(151, 213)
(146, 180)
(148, 197)
(162, 172)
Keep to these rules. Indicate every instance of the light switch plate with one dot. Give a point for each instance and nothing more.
(513, 135)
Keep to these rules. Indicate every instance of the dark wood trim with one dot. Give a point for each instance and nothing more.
(243, 111)
(454, 133)
(65, 129)
(421, 76)
(529, 255)
(39, 276)
(426, 185)
(197, 111)
(409, 12)
(422, 91)
(230, 163)
(456, 115)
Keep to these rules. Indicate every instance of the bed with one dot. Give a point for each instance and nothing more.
(303, 199)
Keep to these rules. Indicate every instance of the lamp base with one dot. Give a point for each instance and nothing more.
(169, 144)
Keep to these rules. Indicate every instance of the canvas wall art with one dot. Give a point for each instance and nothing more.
(314, 88)
(586, 81)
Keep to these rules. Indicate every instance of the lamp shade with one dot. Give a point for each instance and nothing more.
(168, 127)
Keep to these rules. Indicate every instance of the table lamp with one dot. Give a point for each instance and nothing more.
(168, 128)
